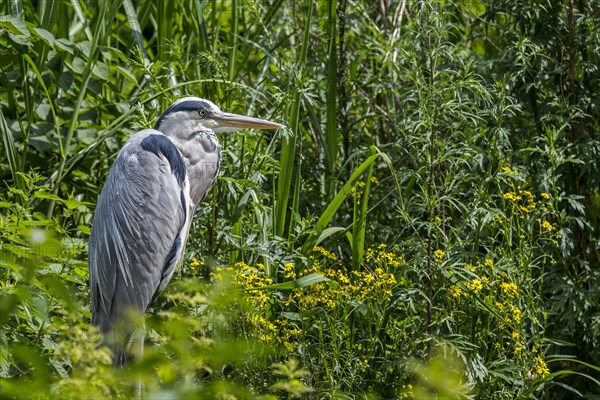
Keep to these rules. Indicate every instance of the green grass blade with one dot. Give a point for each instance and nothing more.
(305, 281)
(50, 103)
(134, 24)
(11, 152)
(331, 142)
(234, 39)
(359, 225)
(335, 204)
(101, 31)
(79, 12)
(288, 146)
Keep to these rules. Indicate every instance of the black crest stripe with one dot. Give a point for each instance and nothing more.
(188, 105)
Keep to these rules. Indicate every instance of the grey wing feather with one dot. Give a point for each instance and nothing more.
(136, 240)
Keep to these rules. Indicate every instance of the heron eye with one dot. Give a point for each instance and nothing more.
(202, 113)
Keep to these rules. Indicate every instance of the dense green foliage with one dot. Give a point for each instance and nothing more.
(427, 225)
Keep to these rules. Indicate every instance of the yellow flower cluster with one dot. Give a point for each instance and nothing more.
(196, 265)
(547, 226)
(540, 367)
(510, 171)
(248, 277)
(509, 289)
(475, 286)
(438, 255)
(355, 190)
(373, 285)
(325, 253)
(516, 314)
(524, 203)
(281, 331)
(523, 199)
(365, 286)
(456, 292)
(384, 258)
(493, 287)
(289, 271)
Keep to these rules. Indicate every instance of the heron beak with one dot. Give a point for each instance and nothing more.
(235, 121)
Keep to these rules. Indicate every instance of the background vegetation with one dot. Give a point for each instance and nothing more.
(427, 226)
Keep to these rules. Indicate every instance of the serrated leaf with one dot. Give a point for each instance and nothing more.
(72, 204)
(44, 195)
(84, 229)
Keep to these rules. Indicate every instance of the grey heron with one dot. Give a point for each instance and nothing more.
(144, 211)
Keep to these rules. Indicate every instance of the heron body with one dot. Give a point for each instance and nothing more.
(145, 209)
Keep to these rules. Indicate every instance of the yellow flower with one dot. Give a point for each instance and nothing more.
(518, 349)
(439, 255)
(374, 180)
(456, 292)
(515, 335)
(512, 196)
(289, 271)
(541, 367)
(516, 314)
(325, 252)
(509, 289)
(475, 286)
(489, 263)
(546, 196)
(547, 226)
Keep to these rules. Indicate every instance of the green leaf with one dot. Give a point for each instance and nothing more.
(335, 204)
(329, 232)
(305, 281)
(72, 204)
(14, 25)
(48, 196)
(46, 36)
(65, 45)
(85, 229)
(126, 74)
(100, 70)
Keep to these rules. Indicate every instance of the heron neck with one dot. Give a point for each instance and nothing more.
(202, 154)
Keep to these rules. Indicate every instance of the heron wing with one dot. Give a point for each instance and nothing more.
(141, 218)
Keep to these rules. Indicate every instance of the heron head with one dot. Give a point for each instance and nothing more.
(193, 114)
